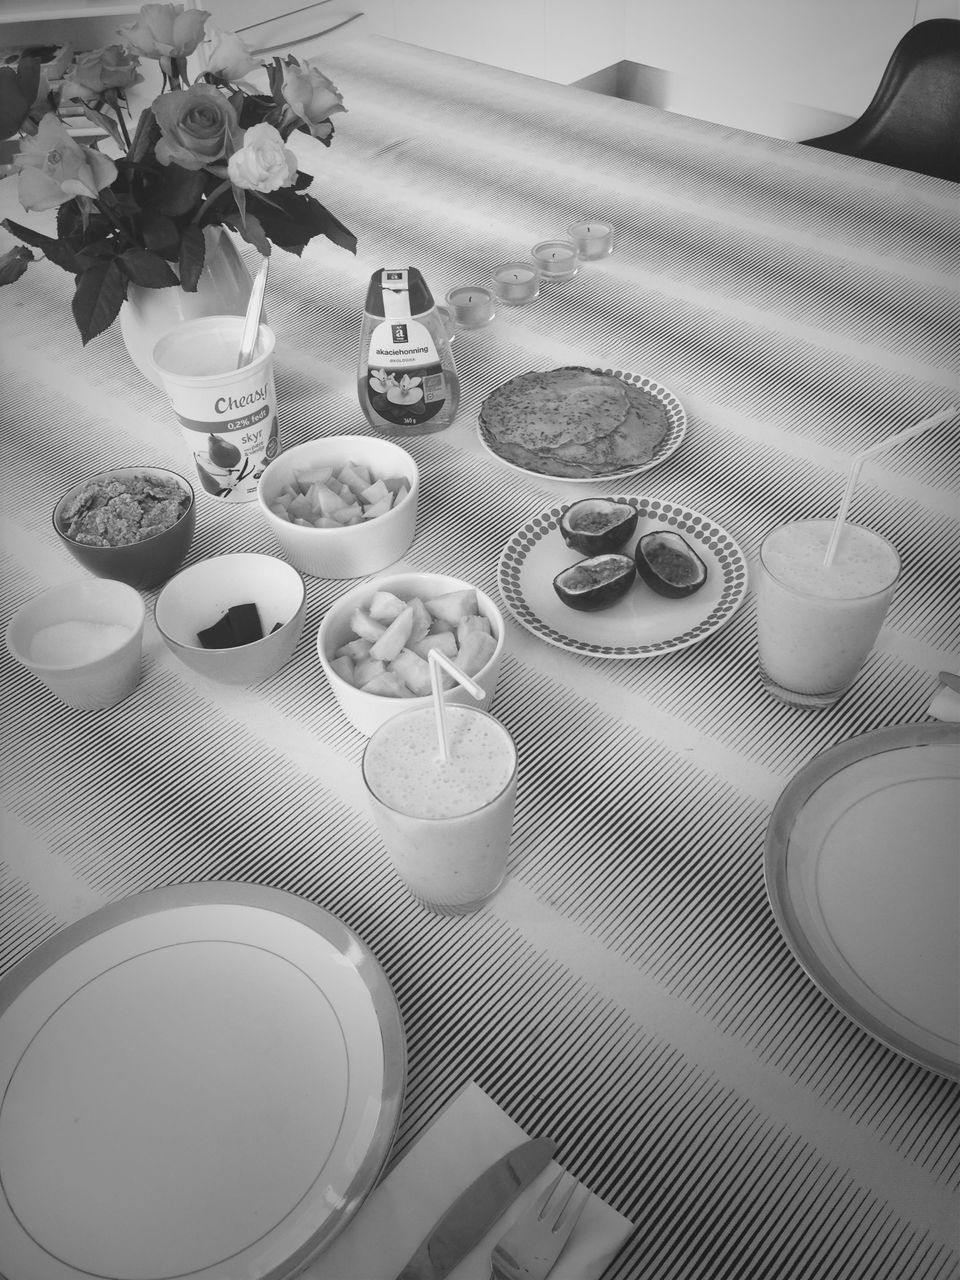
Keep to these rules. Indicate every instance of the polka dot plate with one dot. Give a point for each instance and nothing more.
(642, 624)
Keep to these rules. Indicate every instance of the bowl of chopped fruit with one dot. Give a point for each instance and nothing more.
(233, 618)
(373, 644)
(341, 506)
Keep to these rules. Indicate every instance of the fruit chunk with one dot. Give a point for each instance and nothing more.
(389, 685)
(475, 652)
(395, 637)
(343, 666)
(363, 625)
(597, 525)
(413, 671)
(595, 583)
(669, 565)
(368, 669)
(453, 605)
(384, 606)
(445, 641)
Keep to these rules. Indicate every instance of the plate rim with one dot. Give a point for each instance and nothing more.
(790, 804)
(619, 652)
(668, 446)
(328, 927)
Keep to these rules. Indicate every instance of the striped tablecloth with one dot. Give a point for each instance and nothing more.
(628, 991)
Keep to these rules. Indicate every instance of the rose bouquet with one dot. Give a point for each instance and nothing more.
(210, 153)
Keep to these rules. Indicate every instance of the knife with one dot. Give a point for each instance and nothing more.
(474, 1212)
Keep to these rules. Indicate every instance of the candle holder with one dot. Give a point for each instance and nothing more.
(472, 306)
(557, 259)
(448, 320)
(516, 282)
(593, 239)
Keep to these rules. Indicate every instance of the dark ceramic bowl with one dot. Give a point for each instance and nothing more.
(143, 564)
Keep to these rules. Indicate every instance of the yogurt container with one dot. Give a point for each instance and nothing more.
(227, 416)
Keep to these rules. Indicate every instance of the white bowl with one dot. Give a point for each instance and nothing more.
(366, 711)
(87, 668)
(199, 595)
(355, 550)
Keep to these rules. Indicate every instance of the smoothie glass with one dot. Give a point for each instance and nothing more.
(816, 624)
(445, 824)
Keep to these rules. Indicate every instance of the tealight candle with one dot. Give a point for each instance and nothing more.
(448, 322)
(557, 259)
(471, 305)
(516, 282)
(593, 239)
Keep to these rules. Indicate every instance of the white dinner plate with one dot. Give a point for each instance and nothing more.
(676, 429)
(642, 624)
(195, 1082)
(862, 866)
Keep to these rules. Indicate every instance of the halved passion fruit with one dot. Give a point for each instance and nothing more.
(669, 565)
(597, 582)
(598, 525)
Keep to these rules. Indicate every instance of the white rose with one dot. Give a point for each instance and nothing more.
(228, 55)
(311, 97)
(263, 163)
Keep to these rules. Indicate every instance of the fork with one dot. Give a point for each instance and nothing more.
(531, 1247)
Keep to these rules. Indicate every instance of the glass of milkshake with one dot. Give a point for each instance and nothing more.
(817, 623)
(445, 823)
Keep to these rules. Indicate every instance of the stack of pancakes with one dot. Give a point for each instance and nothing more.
(574, 422)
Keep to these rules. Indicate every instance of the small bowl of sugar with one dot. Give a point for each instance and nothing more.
(83, 640)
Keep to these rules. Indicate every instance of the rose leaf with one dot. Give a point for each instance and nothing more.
(160, 234)
(192, 252)
(180, 190)
(98, 298)
(145, 138)
(251, 229)
(147, 269)
(104, 122)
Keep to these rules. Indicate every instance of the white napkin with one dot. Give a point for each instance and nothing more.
(463, 1140)
(945, 704)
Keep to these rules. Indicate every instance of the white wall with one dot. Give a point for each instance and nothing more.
(792, 70)
(559, 40)
(736, 105)
(789, 68)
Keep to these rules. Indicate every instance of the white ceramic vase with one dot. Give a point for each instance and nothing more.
(223, 289)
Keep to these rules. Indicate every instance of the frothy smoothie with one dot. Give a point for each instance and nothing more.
(446, 824)
(816, 624)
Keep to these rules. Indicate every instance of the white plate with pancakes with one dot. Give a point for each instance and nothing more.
(581, 424)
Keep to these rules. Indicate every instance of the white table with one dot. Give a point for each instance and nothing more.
(628, 991)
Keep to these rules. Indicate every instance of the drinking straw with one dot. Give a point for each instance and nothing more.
(860, 458)
(436, 660)
(251, 324)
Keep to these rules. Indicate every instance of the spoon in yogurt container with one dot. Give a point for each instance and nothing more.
(251, 323)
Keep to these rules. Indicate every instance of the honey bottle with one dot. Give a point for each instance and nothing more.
(407, 383)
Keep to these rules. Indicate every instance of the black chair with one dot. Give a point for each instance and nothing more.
(914, 119)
